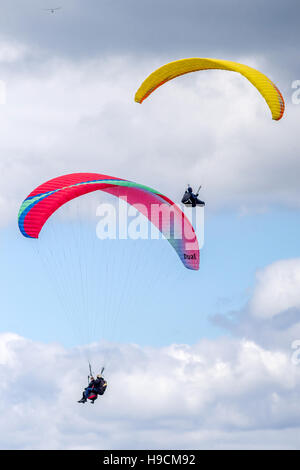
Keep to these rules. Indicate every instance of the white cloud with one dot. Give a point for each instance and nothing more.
(217, 394)
(277, 289)
(12, 52)
(271, 316)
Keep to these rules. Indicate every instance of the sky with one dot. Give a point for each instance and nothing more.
(214, 354)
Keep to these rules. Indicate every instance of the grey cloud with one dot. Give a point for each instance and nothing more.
(259, 323)
(278, 332)
(165, 27)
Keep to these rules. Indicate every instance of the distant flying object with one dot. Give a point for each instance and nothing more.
(52, 10)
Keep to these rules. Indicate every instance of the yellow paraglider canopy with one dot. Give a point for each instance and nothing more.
(174, 69)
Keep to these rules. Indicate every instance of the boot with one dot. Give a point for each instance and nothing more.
(83, 400)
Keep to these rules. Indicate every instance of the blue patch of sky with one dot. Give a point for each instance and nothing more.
(74, 288)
